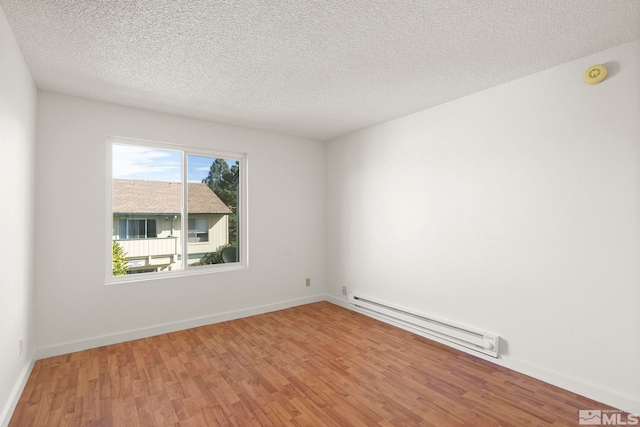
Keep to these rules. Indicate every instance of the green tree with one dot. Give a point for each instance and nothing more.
(213, 257)
(223, 180)
(120, 267)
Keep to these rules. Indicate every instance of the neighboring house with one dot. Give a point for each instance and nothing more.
(146, 223)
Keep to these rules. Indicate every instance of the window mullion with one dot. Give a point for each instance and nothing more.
(184, 216)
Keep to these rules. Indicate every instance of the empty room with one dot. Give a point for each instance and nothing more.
(397, 213)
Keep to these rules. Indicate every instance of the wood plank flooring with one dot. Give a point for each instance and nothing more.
(312, 365)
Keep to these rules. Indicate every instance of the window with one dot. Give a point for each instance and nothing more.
(198, 230)
(156, 192)
(137, 228)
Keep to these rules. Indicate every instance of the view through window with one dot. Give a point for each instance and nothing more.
(158, 192)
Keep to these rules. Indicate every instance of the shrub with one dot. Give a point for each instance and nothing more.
(120, 267)
(213, 257)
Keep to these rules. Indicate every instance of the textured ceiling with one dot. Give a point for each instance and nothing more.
(313, 68)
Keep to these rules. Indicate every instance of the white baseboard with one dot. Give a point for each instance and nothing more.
(18, 388)
(342, 302)
(596, 392)
(575, 385)
(70, 347)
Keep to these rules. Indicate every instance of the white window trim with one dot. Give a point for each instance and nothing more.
(243, 229)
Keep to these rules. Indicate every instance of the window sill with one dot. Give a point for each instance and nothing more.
(160, 275)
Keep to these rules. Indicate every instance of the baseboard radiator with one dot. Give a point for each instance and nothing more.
(429, 327)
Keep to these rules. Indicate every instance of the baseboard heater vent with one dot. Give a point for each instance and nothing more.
(442, 331)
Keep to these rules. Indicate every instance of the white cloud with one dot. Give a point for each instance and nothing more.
(135, 162)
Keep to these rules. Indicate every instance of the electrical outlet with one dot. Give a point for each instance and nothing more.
(21, 346)
(344, 290)
(308, 281)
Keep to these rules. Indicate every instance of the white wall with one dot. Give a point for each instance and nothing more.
(516, 211)
(75, 308)
(17, 124)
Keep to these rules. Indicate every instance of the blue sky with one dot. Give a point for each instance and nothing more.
(198, 168)
(155, 164)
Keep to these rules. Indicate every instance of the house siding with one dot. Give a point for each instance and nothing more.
(164, 251)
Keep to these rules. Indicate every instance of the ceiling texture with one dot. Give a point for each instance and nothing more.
(312, 68)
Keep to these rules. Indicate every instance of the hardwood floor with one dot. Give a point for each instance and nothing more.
(311, 365)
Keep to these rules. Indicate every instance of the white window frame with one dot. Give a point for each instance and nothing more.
(243, 225)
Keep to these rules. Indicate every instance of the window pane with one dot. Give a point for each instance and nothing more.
(198, 230)
(192, 232)
(202, 225)
(121, 232)
(135, 229)
(212, 195)
(151, 228)
(146, 209)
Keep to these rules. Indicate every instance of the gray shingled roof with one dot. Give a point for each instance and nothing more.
(162, 197)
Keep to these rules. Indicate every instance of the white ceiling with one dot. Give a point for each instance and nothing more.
(313, 68)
